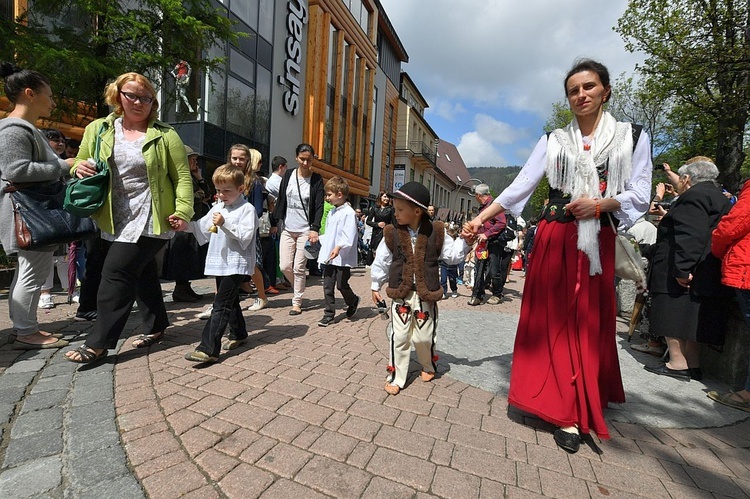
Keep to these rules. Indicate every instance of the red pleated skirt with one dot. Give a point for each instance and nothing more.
(565, 367)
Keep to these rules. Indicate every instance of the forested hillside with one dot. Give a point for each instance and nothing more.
(500, 178)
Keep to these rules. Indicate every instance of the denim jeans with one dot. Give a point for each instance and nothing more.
(448, 274)
(743, 296)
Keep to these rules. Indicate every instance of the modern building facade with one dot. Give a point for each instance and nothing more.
(325, 72)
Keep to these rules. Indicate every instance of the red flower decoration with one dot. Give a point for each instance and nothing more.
(421, 315)
(435, 358)
(602, 186)
(390, 369)
(402, 309)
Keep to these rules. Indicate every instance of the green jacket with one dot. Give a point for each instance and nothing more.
(166, 164)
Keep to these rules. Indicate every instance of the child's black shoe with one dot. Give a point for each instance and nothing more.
(325, 321)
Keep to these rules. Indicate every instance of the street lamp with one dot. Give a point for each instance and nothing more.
(460, 186)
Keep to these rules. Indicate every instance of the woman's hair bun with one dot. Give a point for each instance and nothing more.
(7, 69)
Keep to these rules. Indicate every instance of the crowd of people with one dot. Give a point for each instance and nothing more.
(232, 228)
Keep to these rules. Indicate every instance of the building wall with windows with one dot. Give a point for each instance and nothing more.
(340, 89)
(416, 142)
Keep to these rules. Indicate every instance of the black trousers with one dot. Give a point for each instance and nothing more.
(336, 278)
(96, 251)
(268, 245)
(129, 271)
(491, 268)
(227, 311)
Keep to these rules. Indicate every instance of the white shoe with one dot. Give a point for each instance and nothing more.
(46, 301)
(259, 304)
(76, 298)
(206, 314)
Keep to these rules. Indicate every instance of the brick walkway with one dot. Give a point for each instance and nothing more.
(300, 411)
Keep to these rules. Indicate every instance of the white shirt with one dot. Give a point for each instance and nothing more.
(231, 251)
(453, 253)
(341, 231)
(297, 204)
(272, 185)
(634, 200)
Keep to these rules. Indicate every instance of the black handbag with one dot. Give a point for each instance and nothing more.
(39, 219)
(84, 196)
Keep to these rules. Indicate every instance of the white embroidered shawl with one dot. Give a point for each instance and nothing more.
(572, 170)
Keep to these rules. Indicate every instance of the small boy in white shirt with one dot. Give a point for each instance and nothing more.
(229, 229)
(338, 250)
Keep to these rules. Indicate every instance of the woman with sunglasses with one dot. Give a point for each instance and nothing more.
(150, 194)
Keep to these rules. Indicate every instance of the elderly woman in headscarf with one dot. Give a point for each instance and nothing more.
(688, 301)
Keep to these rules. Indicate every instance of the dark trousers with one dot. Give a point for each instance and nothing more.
(129, 271)
(96, 251)
(448, 274)
(227, 311)
(336, 278)
(490, 268)
(268, 245)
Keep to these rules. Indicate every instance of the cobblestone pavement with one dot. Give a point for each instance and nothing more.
(300, 411)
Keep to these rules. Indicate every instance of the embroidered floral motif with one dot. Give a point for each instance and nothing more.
(553, 210)
(390, 369)
(403, 313)
(421, 316)
(435, 358)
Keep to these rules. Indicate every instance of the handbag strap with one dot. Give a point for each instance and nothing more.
(612, 223)
(98, 145)
(299, 193)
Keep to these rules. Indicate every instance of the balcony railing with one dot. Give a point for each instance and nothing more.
(419, 148)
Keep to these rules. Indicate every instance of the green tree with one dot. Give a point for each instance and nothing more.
(637, 102)
(699, 55)
(81, 45)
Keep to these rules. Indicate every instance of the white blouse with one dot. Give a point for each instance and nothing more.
(131, 196)
(634, 200)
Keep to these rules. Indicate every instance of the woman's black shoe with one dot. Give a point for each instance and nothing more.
(569, 442)
(663, 370)
(695, 373)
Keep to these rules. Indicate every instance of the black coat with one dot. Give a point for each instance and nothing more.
(683, 244)
(315, 208)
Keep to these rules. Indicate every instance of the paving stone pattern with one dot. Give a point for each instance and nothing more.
(300, 411)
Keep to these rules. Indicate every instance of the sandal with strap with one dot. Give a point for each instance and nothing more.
(146, 340)
(86, 355)
(728, 400)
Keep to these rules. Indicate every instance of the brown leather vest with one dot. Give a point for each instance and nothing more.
(415, 269)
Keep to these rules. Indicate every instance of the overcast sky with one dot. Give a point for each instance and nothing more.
(491, 69)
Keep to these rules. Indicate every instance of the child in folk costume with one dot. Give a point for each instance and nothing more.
(407, 260)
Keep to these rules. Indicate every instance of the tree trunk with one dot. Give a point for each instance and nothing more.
(729, 149)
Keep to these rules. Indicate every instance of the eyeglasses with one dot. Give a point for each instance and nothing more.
(137, 98)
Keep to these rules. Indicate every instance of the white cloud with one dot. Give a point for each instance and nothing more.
(477, 150)
(495, 131)
(503, 54)
(447, 110)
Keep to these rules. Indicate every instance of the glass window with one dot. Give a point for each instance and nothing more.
(330, 95)
(364, 20)
(240, 107)
(263, 106)
(241, 65)
(247, 10)
(344, 106)
(215, 85)
(265, 21)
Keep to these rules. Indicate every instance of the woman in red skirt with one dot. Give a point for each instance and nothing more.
(565, 367)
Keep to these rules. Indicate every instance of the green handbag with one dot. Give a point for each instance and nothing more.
(83, 196)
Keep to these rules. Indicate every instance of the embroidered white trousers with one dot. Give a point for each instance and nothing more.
(413, 323)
